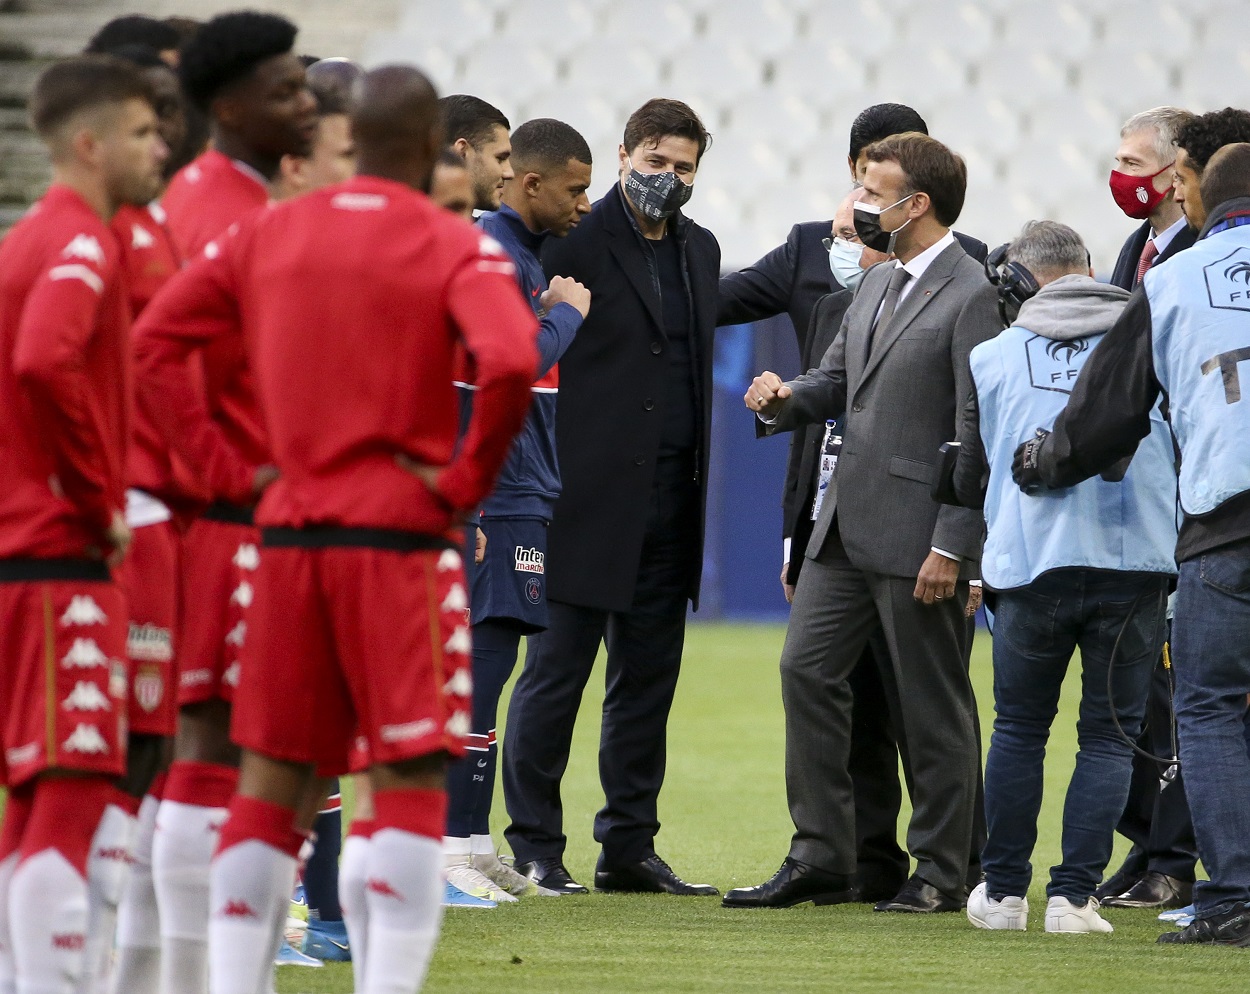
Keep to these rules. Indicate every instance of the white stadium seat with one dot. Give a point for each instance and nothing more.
(502, 67)
(604, 65)
(963, 27)
(532, 20)
(1022, 70)
(1221, 78)
(768, 26)
(709, 69)
(922, 72)
(661, 28)
(1057, 27)
(1076, 119)
(1150, 77)
(813, 67)
(778, 119)
(437, 61)
(986, 122)
(457, 24)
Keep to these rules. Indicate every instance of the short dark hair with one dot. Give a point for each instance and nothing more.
(450, 159)
(133, 29)
(86, 81)
(1226, 177)
(331, 81)
(658, 118)
(547, 144)
(928, 167)
(880, 121)
(470, 118)
(187, 28)
(1206, 134)
(228, 49)
(140, 55)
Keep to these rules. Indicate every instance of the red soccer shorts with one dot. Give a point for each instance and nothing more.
(149, 577)
(219, 561)
(346, 643)
(63, 684)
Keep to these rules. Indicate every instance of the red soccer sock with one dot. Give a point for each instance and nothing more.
(421, 812)
(206, 785)
(16, 815)
(262, 821)
(157, 789)
(65, 815)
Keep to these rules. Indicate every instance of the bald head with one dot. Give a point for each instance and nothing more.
(1227, 176)
(395, 122)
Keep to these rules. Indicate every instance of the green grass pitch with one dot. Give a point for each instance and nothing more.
(724, 822)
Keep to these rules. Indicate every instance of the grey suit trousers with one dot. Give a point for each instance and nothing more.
(836, 607)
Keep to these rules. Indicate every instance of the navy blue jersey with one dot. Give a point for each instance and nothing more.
(530, 481)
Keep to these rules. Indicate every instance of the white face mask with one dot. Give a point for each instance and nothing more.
(844, 259)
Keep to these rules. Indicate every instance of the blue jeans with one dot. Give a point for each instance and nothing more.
(1037, 628)
(1211, 642)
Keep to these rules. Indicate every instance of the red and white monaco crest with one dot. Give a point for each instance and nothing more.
(149, 688)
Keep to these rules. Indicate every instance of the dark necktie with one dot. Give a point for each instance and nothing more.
(1148, 253)
(898, 280)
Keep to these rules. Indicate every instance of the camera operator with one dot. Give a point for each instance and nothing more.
(1184, 333)
(1089, 568)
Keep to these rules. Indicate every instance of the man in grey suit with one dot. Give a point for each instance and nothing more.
(882, 551)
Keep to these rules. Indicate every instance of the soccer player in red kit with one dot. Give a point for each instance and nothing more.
(65, 385)
(351, 302)
(159, 493)
(241, 71)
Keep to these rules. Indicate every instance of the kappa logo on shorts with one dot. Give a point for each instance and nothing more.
(243, 595)
(406, 731)
(529, 560)
(449, 560)
(460, 641)
(456, 599)
(148, 643)
(140, 237)
(22, 755)
(86, 697)
(84, 654)
(87, 739)
(231, 677)
(247, 557)
(458, 724)
(461, 684)
(83, 611)
(84, 247)
(149, 688)
(237, 634)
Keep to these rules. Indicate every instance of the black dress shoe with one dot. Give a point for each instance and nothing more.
(549, 872)
(918, 897)
(795, 883)
(1154, 890)
(1131, 870)
(649, 876)
(1231, 928)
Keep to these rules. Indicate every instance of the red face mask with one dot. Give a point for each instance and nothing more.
(1136, 195)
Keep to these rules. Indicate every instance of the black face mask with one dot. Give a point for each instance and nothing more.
(656, 195)
(868, 226)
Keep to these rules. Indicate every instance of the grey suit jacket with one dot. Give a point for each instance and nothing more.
(901, 403)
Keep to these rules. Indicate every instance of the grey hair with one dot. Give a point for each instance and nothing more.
(1048, 248)
(1165, 122)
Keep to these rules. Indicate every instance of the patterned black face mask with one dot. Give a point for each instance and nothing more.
(656, 195)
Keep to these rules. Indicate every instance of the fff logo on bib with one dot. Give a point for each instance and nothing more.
(1228, 281)
(1055, 365)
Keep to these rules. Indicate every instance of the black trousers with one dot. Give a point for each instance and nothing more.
(644, 647)
(1157, 821)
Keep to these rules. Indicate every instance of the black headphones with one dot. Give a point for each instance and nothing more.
(1015, 283)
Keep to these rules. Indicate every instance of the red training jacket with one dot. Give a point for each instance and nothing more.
(351, 301)
(65, 381)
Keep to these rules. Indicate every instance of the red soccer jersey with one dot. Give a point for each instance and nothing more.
(209, 195)
(203, 201)
(149, 259)
(64, 381)
(351, 301)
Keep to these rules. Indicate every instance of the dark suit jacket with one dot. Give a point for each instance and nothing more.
(805, 442)
(902, 400)
(1125, 273)
(792, 277)
(611, 400)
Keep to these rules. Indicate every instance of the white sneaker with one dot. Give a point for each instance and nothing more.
(460, 873)
(1010, 913)
(1065, 918)
(506, 878)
